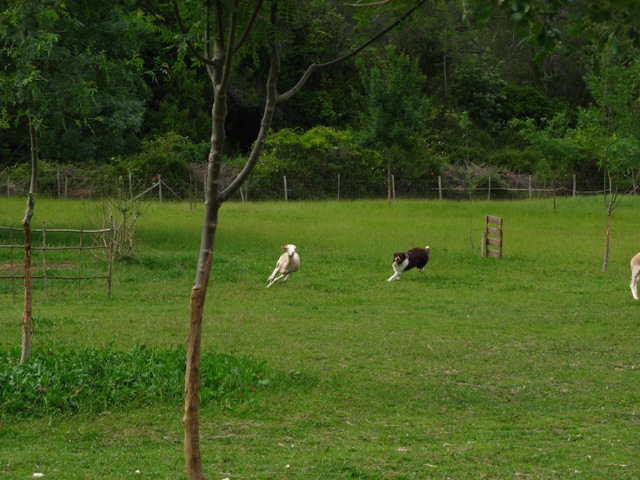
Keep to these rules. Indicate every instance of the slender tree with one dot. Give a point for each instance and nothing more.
(396, 108)
(27, 39)
(608, 130)
(559, 152)
(229, 26)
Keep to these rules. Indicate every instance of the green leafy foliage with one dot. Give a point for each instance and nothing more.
(477, 88)
(608, 130)
(522, 102)
(92, 381)
(314, 156)
(89, 71)
(183, 105)
(558, 153)
(550, 23)
(169, 156)
(77, 70)
(318, 33)
(396, 108)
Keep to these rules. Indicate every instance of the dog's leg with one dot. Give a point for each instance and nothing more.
(634, 283)
(396, 273)
(273, 275)
(273, 280)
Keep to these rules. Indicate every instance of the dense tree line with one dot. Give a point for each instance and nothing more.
(110, 84)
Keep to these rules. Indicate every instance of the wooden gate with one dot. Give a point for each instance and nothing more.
(492, 237)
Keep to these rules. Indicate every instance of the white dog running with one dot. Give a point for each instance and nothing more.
(288, 263)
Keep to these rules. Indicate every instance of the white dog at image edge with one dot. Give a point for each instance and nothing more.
(635, 273)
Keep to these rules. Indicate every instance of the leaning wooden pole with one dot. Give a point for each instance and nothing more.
(27, 317)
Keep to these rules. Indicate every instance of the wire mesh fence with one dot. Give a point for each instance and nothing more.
(456, 183)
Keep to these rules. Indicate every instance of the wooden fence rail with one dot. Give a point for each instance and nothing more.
(105, 244)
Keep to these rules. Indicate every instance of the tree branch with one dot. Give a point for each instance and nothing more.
(372, 4)
(233, 28)
(315, 66)
(190, 45)
(247, 30)
(265, 123)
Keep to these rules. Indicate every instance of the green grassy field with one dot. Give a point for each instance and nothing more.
(522, 367)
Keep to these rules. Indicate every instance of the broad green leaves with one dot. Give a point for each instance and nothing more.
(78, 70)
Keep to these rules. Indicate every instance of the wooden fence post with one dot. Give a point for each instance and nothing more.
(393, 186)
(11, 271)
(44, 261)
(111, 246)
(130, 184)
(80, 261)
(286, 193)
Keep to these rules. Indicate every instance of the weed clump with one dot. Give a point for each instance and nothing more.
(93, 381)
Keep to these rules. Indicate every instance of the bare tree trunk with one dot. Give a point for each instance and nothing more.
(191, 419)
(605, 262)
(389, 178)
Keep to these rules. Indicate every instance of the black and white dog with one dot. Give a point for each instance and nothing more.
(402, 261)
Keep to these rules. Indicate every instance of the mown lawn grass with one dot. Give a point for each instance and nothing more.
(523, 367)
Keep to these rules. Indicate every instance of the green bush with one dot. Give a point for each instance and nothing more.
(169, 156)
(314, 159)
(525, 102)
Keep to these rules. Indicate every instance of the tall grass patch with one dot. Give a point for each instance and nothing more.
(94, 381)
